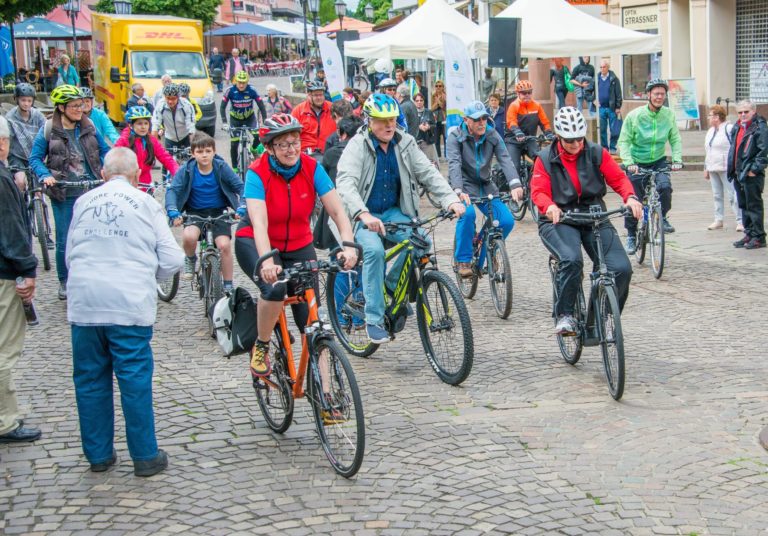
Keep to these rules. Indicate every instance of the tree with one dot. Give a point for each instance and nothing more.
(204, 10)
(380, 8)
(11, 9)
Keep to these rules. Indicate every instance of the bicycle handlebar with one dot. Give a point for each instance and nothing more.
(596, 215)
(503, 196)
(192, 218)
(299, 269)
(83, 183)
(417, 222)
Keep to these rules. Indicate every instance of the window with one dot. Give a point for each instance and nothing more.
(249, 8)
(153, 64)
(751, 47)
(638, 69)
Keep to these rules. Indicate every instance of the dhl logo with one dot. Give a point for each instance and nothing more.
(163, 35)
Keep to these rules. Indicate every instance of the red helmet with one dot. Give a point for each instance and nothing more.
(523, 85)
(277, 125)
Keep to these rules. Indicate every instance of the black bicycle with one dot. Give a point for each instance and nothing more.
(488, 245)
(37, 210)
(600, 323)
(245, 135)
(443, 319)
(650, 229)
(182, 156)
(519, 208)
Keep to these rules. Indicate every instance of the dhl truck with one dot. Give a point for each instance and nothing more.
(142, 48)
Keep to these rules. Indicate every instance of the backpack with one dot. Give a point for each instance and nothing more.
(234, 318)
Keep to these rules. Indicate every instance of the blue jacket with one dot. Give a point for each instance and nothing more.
(178, 194)
(498, 120)
(40, 151)
(103, 125)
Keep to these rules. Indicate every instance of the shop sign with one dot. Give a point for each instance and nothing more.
(682, 99)
(640, 17)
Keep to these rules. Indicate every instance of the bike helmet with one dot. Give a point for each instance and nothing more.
(241, 76)
(381, 106)
(171, 90)
(570, 123)
(86, 92)
(24, 90)
(387, 82)
(65, 93)
(656, 82)
(184, 89)
(277, 125)
(137, 112)
(523, 85)
(315, 85)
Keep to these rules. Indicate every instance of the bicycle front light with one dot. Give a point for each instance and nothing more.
(207, 98)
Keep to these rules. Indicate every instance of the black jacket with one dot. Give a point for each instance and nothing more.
(216, 61)
(133, 101)
(753, 150)
(427, 136)
(331, 157)
(16, 257)
(615, 99)
(583, 68)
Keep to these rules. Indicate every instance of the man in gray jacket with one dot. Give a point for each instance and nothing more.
(409, 110)
(378, 177)
(119, 245)
(471, 148)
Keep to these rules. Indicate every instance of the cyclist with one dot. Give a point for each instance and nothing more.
(572, 175)
(205, 186)
(378, 178)
(280, 193)
(389, 87)
(148, 149)
(66, 148)
(241, 98)
(524, 118)
(184, 91)
(97, 116)
(471, 148)
(643, 138)
(314, 114)
(25, 121)
(173, 118)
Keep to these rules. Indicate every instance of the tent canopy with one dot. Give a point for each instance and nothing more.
(554, 28)
(349, 23)
(244, 28)
(416, 36)
(40, 28)
(294, 30)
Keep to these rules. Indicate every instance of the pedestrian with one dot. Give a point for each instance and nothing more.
(409, 109)
(487, 85)
(747, 160)
(496, 113)
(274, 103)
(216, 61)
(561, 77)
(610, 101)
(16, 260)
(165, 80)
(716, 146)
(233, 65)
(425, 137)
(438, 110)
(422, 88)
(138, 98)
(119, 246)
(584, 84)
(66, 73)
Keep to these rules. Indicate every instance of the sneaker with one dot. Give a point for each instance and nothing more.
(260, 366)
(465, 269)
(189, 267)
(103, 466)
(332, 413)
(741, 242)
(62, 290)
(755, 243)
(717, 224)
(631, 245)
(377, 334)
(566, 325)
(21, 434)
(739, 228)
(668, 229)
(151, 467)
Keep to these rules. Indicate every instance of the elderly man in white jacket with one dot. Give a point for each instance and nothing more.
(119, 244)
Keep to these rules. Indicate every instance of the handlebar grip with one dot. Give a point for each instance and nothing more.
(261, 260)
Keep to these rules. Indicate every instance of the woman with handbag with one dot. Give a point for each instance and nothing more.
(438, 110)
(716, 147)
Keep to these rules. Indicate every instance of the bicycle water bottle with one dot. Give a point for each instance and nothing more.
(29, 308)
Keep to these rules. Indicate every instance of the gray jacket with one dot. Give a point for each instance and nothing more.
(177, 125)
(411, 116)
(357, 171)
(469, 162)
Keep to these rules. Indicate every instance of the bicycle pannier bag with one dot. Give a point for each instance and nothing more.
(234, 318)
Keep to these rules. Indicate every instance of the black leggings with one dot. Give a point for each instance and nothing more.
(234, 141)
(439, 137)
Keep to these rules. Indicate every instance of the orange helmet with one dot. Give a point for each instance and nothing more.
(523, 85)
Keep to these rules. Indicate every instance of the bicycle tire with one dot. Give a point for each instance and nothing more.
(641, 242)
(214, 288)
(42, 235)
(167, 289)
(535, 216)
(570, 345)
(611, 338)
(467, 285)
(339, 412)
(499, 268)
(451, 371)
(352, 338)
(275, 396)
(656, 238)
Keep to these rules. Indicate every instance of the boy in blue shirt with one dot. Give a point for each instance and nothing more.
(205, 186)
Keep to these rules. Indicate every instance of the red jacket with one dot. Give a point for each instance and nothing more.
(145, 179)
(314, 132)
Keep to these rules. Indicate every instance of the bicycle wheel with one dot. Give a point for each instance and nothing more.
(570, 345)
(445, 327)
(656, 238)
(346, 311)
(642, 241)
(534, 210)
(336, 406)
(611, 338)
(167, 289)
(42, 235)
(274, 393)
(467, 285)
(500, 278)
(214, 287)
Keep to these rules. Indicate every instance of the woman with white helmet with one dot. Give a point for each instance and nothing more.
(572, 174)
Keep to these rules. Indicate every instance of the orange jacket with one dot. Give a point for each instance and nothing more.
(315, 129)
(526, 117)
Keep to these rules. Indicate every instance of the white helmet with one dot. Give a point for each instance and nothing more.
(570, 123)
(222, 322)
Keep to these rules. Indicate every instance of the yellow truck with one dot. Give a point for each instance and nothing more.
(142, 48)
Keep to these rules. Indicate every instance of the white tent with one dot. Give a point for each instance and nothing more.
(553, 28)
(290, 29)
(414, 36)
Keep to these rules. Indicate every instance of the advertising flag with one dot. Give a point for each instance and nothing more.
(333, 65)
(459, 79)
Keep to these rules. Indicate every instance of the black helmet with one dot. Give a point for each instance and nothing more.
(315, 85)
(24, 90)
(171, 90)
(86, 92)
(656, 82)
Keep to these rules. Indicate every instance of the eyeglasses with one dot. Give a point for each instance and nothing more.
(743, 112)
(285, 145)
(78, 106)
(524, 92)
(571, 140)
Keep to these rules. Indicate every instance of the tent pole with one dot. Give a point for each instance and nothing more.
(13, 55)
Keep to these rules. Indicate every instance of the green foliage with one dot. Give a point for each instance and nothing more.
(380, 8)
(204, 10)
(327, 12)
(10, 9)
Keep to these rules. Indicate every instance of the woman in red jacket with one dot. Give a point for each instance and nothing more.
(136, 137)
(572, 174)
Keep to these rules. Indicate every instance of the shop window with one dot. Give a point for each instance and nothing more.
(638, 70)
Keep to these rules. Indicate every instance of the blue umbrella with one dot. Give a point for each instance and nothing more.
(6, 65)
(244, 28)
(40, 28)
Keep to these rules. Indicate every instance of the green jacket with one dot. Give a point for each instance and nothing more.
(645, 134)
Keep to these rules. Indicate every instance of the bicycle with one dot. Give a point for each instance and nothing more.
(519, 208)
(489, 238)
(244, 156)
(650, 229)
(331, 387)
(182, 156)
(440, 309)
(37, 210)
(600, 323)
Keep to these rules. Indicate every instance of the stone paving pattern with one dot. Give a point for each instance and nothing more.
(527, 445)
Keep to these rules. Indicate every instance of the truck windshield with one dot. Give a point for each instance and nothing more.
(151, 64)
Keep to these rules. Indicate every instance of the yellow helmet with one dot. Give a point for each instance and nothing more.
(65, 93)
(241, 76)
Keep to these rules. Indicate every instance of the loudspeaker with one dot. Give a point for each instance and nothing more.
(504, 42)
(346, 35)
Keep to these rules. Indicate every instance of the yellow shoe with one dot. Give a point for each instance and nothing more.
(334, 413)
(260, 365)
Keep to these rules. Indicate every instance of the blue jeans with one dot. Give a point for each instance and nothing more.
(560, 94)
(465, 229)
(580, 101)
(97, 352)
(374, 264)
(62, 216)
(341, 289)
(607, 116)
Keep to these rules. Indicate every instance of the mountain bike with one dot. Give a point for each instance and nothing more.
(443, 320)
(489, 238)
(519, 208)
(650, 229)
(181, 155)
(37, 210)
(246, 136)
(331, 387)
(600, 323)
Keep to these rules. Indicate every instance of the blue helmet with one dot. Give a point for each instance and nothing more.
(381, 106)
(137, 112)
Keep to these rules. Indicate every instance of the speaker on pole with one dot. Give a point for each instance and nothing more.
(504, 42)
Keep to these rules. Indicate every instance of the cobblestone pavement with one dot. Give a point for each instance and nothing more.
(527, 445)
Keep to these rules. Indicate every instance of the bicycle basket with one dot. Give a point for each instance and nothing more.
(234, 318)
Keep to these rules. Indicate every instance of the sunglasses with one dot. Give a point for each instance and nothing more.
(743, 112)
(572, 140)
(524, 92)
(438, 85)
